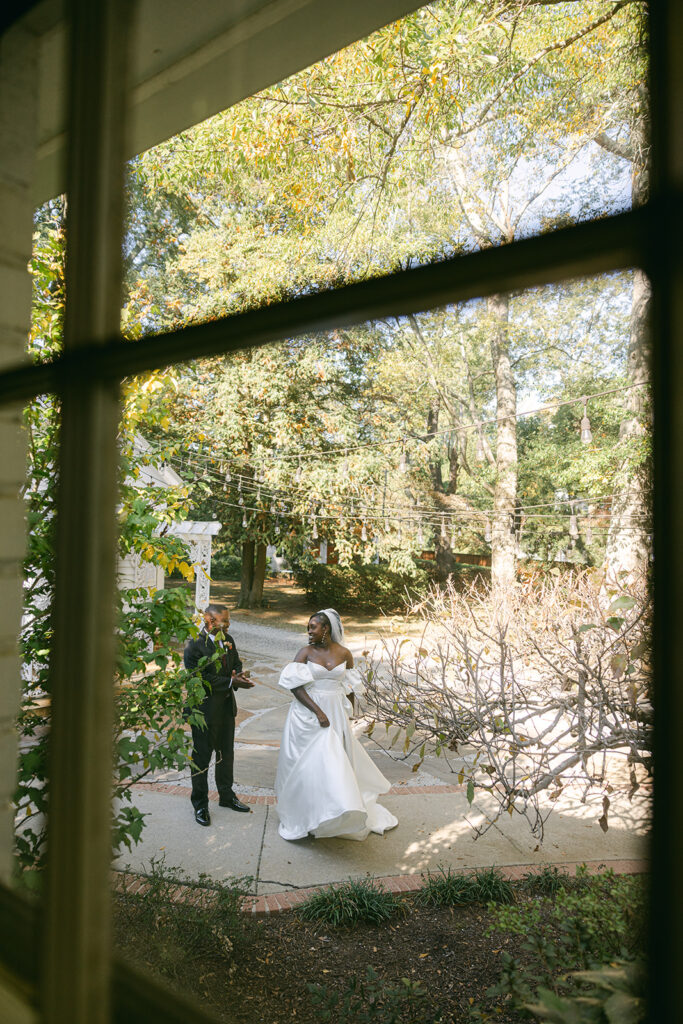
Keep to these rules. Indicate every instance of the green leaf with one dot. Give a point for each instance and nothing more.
(623, 603)
(470, 792)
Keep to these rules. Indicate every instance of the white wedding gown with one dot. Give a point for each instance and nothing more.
(326, 783)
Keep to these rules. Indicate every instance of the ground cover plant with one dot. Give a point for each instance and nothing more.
(437, 963)
(358, 900)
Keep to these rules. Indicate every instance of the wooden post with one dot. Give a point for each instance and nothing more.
(77, 949)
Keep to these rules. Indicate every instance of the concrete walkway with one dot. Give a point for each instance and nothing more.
(435, 819)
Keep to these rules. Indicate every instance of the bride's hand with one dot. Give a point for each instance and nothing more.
(324, 720)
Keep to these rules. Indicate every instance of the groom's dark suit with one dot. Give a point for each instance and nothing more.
(219, 708)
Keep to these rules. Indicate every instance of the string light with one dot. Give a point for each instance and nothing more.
(586, 433)
(244, 521)
(363, 532)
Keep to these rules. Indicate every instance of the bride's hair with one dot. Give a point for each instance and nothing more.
(331, 618)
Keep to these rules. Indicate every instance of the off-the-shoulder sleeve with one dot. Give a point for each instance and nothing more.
(295, 674)
(354, 681)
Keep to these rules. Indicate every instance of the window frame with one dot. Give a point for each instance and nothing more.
(75, 985)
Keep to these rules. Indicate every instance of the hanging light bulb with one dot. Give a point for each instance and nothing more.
(586, 434)
(573, 527)
(228, 475)
(240, 500)
(272, 506)
(399, 536)
(297, 475)
(239, 482)
(314, 534)
(363, 533)
(244, 521)
(258, 493)
(277, 525)
(487, 533)
(403, 463)
(479, 452)
(345, 467)
(589, 535)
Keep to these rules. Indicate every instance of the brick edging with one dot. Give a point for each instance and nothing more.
(274, 903)
(169, 789)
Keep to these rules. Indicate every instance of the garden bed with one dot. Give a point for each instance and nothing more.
(430, 963)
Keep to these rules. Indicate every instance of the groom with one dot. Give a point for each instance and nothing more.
(222, 675)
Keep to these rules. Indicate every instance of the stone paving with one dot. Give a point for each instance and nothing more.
(435, 819)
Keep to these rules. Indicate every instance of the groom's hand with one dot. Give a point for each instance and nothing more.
(240, 681)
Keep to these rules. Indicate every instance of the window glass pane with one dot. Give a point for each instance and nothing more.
(35, 437)
(501, 441)
(461, 126)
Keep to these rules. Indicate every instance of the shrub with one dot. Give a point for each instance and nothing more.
(225, 565)
(207, 926)
(578, 928)
(491, 665)
(361, 588)
(351, 902)
(616, 992)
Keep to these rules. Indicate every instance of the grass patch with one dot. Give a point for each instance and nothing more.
(446, 888)
(545, 882)
(357, 901)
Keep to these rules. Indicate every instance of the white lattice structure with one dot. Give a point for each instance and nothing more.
(134, 571)
(198, 537)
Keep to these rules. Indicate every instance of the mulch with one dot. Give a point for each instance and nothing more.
(446, 950)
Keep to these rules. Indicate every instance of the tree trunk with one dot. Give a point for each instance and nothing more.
(628, 548)
(256, 591)
(247, 574)
(503, 552)
(445, 563)
(435, 462)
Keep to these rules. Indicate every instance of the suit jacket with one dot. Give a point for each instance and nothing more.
(216, 675)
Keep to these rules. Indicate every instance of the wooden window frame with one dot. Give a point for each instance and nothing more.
(76, 975)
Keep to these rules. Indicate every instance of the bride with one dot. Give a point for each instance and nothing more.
(326, 783)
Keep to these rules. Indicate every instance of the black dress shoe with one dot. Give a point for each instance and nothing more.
(201, 816)
(233, 803)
